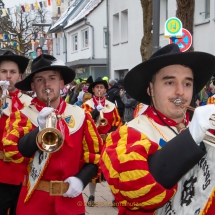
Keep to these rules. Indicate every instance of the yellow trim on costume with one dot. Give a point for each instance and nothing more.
(140, 192)
(144, 143)
(11, 154)
(155, 200)
(9, 142)
(134, 174)
(85, 146)
(113, 173)
(93, 135)
(115, 191)
(130, 157)
(209, 203)
(86, 157)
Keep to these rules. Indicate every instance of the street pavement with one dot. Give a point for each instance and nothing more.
(103, 201)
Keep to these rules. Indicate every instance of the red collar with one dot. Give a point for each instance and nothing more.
(152, 113)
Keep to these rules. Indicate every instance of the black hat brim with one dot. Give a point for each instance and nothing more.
(95, 83)
(137, 79)
(67, 74)
(21, 61)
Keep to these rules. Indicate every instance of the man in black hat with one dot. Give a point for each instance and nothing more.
(58, 138)
(105, 115)
(11, 175)
(155, 164)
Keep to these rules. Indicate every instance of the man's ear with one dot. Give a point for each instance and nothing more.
(150, 89)
(32, 87)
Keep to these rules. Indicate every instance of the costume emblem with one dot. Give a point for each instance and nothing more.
(162, 142)
(69, 121)
(107, 106)
(5, 105)
(188, 191)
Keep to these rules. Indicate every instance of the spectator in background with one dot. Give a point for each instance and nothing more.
(39, 51)
(203, 97)
(130, 105)
(70, 91)
(77, 90)
(105, 78)
(114, 97)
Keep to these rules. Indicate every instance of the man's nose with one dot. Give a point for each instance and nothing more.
(8, 75)
(180, 90)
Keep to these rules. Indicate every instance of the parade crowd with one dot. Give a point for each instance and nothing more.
(149, 135)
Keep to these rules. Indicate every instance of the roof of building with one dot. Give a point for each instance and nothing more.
(66, 14)
(89, 7)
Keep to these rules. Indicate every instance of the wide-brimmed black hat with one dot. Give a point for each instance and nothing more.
(21, 61)
(97, 81)
(43, 63)
(137, 79)
(89, 80)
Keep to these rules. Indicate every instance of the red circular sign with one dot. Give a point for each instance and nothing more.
(184, 42)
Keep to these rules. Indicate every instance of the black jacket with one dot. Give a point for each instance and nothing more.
(114, 97)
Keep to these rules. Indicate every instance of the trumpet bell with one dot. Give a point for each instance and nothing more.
(103, 122)
(49, 140)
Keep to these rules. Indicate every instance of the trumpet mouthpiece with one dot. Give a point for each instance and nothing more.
(48, 91)
(177, 102)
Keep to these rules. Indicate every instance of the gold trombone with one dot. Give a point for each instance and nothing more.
(101, 121)
(50, 139)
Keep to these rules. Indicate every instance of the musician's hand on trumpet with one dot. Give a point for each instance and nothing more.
(41, 119)
(201, 122)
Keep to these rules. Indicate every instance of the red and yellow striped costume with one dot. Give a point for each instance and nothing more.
(125, 157)
(64, 163)
(112, 117)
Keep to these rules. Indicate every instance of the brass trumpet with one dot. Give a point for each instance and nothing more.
(50, 139)
(101, 121)
(208, 137)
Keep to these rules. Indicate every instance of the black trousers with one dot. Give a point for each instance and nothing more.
(9, 195)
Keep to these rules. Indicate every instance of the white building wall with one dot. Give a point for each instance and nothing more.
(59, 55)
(125, 55)
(204, 29)
(98, 20)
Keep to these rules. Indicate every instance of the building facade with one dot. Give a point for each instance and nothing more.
(87, 36)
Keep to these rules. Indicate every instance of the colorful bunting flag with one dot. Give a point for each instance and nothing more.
(17, 9)
(58, 2)
(41, 4)
(32, 6)
(23, 8)
(4, 12)
(49, 2)
(27, 7)
(44, 4)
(36, 6)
